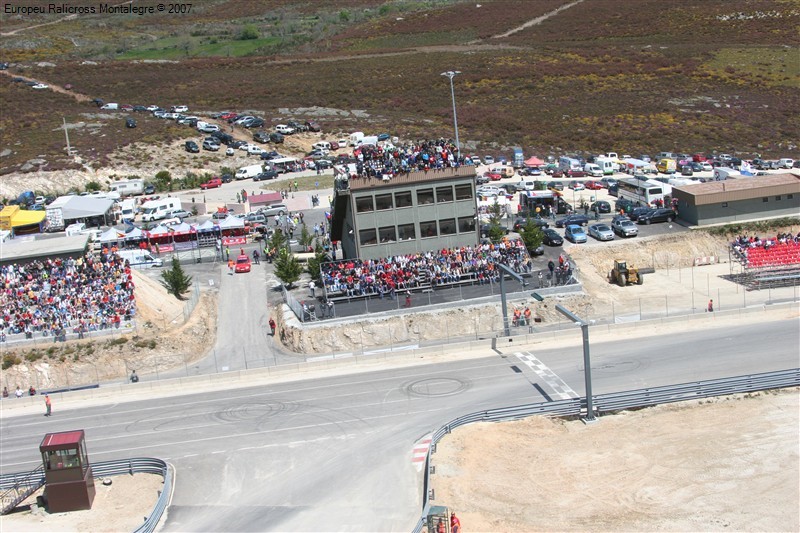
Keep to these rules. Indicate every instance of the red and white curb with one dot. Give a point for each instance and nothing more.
(420, 451)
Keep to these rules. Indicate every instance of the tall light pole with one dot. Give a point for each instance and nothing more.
(452, 74)
(587, 365)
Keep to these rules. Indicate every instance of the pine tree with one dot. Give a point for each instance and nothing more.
(287, 268)
(175, 280)
(314, 266)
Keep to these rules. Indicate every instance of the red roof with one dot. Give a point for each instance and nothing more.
(62, 439)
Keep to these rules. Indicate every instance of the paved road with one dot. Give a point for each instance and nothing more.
(334, 453)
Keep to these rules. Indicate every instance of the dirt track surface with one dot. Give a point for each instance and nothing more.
(725, 464)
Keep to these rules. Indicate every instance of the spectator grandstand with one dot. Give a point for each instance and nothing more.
(768, 262)
(352, 278)
(55, 296)
(374, 161)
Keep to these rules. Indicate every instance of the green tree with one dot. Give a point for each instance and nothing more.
(305, 237)
(278, 240)
(175, 280)
(314, 266)
(163, 180)
(531, 235)
(496, 230)
(248, 33)
(287, 268)
(93, 186)
(344, 15)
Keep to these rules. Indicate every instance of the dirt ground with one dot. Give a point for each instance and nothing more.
(725, 464)
(120, 506)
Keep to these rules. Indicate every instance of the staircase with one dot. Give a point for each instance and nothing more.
(18, 487)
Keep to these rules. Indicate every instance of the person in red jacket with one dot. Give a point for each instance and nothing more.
(455, 524)
(272, 326)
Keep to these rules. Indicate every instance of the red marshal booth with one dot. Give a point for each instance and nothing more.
(69, 484)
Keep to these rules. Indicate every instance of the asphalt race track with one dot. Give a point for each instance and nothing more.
(334, 453)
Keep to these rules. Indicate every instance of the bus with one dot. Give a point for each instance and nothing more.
(530, 200)
(283, 164)
(642, 192)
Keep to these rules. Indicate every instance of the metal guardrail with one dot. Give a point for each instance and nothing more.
(136, 465)
(608, 403)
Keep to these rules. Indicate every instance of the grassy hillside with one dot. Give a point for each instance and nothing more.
(633, 76)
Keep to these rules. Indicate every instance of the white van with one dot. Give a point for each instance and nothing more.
(608, 166)
(140, 258)
(593, 170)
(250, 171)
(110, 106)
(786, 163)
(504, 170)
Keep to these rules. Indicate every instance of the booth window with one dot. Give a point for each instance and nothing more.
(427, 229)
(466, 225)
(425, 197)
(406, 232)
(383, 202)
(60, 459)
(447, 226)
(403, 199)
(444, 194)
(364, 204)
(387, 234)
(368, 236)
(463, 192)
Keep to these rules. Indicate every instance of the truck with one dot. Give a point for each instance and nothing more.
(250, 171)
(368, 140)
(355, 137)
(158, 209)
(128, 187)
(519, 157)
(140, 258)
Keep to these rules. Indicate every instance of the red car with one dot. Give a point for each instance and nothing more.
(242, 264)
(228, 116)
(593, 185)
(493, 176)
(211, 184)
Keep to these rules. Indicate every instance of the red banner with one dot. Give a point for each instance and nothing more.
(234, 240)
(158, 248)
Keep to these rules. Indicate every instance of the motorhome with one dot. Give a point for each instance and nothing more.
(140, 258)
(159, 209)
(128, 187)
(519, 157)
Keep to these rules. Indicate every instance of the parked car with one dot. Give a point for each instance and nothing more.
(266, 175)
(493, 176)
(480, 179)
(191, 147)
(130, 123)
(488, 160)
(576, 173)
(576, 219)
(149, 189)
(276, 137)
(661, 214)
(636, 212)
(213, 183)
(386, 137)
(575, 234)
(624, 227)
(600, 206)
(180, 213)
(242, 264)
(179, 109)
(601, 232)
(576, 186)
(555, 185)
(40, 86)
(312, 126)
(521, 222)
(254, 150)
(256, 122)
(229, 151)
(284, 129)
(210, 146)
(593, 185)
(275, 209)
(686, 170)
(255, 218)
(608, 182)
(552, 238)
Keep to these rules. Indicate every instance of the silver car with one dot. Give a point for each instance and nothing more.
(601, 232)
(625, 228)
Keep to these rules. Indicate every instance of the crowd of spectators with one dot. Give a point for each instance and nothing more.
(387, 276)
(52, 296)
(375, 161)
(742, 243)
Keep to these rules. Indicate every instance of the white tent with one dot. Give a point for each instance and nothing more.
(134, 233)
(208, 225)
(112, 235)
(231, 223)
